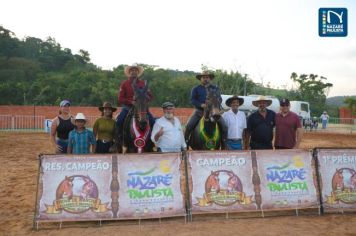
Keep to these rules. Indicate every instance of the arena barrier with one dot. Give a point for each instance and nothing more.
(106, 187)
(337, 170)
(160, 185)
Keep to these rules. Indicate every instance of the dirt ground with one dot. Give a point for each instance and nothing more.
(18, 170)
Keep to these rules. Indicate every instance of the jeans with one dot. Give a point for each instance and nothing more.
(324, 122)
(234, 144)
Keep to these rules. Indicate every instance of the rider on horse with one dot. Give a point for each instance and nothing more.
(126, 95)
(198, 99)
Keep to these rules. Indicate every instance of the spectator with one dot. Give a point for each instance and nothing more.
(104, 128)
(61, 126)
(324, 119)
(289, 130)
(167, 133)
(80, 139)
(235, 121)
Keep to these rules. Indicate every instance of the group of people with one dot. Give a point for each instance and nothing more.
(69, 134)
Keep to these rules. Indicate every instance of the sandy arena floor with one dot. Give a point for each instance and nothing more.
(18, 170)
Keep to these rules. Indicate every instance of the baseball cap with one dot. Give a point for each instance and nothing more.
(64, 102)
(167, 105)
(284, 102)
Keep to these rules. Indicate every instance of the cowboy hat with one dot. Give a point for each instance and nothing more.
(262, 98)
(80, 116)
(107, 105)
(205, 73)
(235, 97)
(128, 68)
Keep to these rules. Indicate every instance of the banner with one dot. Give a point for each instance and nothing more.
(222, 181)
(337, 168)
(150, 186)
(74, 188)
(287, 179)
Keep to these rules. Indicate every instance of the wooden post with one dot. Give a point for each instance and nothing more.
(256, 180)
(114, 187)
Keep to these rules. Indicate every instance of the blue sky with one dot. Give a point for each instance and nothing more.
(268, 40)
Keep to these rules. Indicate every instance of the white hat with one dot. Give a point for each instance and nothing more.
(128, 68)
(80, 116)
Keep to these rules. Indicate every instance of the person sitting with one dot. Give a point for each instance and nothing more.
(126, 95)
(104, 128)
(167, 133)
(80, 139)
(198, 99)
(61, 126)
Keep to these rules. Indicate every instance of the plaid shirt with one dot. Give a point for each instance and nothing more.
(80, 141)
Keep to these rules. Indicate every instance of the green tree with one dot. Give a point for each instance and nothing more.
(313, 89)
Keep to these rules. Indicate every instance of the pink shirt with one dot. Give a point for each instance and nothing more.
(286, 127)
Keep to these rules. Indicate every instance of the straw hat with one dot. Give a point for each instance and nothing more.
(205, 73)
(107, 105)
(262, 98)
(235, 97)
(128, 68)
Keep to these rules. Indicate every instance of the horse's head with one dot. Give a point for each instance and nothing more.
(213, 99)
(141, 104)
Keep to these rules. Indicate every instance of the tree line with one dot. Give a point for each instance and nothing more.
(42, 72)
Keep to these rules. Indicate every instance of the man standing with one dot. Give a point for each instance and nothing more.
(198, 99)
(167, 133)
(289, 130)
(235, 121)
(260, 125)
(324, 119)
(126, 94)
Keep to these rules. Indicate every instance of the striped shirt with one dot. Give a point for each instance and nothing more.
(80, 141)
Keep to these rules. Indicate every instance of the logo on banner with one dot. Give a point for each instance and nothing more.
(332, 22)
(76, 194)
(288, 179)
(153, 186)
(223, 188)
(343, 187)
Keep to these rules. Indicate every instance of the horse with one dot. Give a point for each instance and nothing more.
(233, 183)
(65, 189)
(89, 190)
(338, 181)
(207, 133)
(212, 184)
(136, 128)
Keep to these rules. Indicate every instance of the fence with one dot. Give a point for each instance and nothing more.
(337, 125)
(28, 123)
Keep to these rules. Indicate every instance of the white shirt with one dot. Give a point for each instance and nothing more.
(172, 139)
(324, 116)
(235, 123)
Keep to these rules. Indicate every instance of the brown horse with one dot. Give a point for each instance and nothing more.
(338, 180)
(212, 184)
(65, 189)
(207, 133)
(137, 129)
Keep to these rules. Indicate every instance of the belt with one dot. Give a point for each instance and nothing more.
(104, 141)
(234, 139)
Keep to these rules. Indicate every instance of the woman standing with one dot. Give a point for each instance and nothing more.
(61, 126)
(104, 128)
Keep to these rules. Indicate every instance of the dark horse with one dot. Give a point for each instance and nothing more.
(207, 133)
(136, 129)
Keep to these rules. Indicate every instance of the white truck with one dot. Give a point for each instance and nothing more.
(301, 108)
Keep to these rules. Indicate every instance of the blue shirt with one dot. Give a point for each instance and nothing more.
(260, 128)
(198, 95)
(80, 141)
